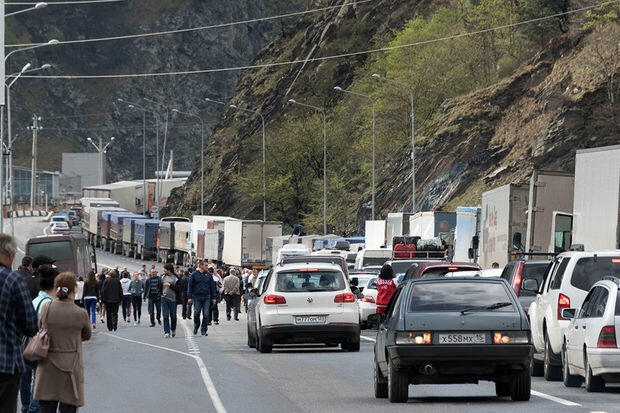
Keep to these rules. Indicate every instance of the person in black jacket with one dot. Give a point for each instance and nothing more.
(90, 296)
(112, 296)
(152, 290)
(186, 309)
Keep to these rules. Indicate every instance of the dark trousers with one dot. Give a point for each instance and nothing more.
(186, 308)
(233, 301)
(136, 303)
(49, 406)
(215, 312)
(111, 314)
(9, 385)
(126, 307)
(154, 305)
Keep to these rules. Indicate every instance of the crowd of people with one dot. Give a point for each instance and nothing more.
(72, 305)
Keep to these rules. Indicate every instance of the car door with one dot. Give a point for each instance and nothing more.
(575, 333)
(537, 310)
(593, 325)
(392, 312)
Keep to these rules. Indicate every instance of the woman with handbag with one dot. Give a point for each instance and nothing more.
(59, 381)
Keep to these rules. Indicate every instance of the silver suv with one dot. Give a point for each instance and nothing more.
(566, 284)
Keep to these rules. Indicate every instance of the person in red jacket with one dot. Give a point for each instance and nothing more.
(386, 285)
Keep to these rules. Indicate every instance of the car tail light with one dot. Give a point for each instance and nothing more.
(367, 299)
(563, 302)
(516, 283)
(607, 338)
(345, 298)
(414, 337)
(274, 299)
(511, 337)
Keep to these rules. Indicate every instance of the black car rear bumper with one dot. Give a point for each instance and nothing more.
(291, 334)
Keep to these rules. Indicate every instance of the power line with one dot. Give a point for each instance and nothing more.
(325, 58)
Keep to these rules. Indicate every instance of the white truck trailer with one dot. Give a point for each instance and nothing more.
(467, 227)
(596, 219)
(128, 194)
(245, 241)
(396, 224)
(374, 233)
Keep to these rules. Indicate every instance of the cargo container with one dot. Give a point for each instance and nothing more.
(467, 227)
(396, 224)
(245, 241)
(129, 227)
(145, 238)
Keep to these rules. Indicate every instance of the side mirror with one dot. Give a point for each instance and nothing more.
(374, 319)
(470, 254)
(516, 241)
(568, 313)
(530, 284)
(475, 242)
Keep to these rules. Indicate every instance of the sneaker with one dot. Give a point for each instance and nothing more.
(204, 334)
(135, 324)
(159, 321)
(94, 325)
(217, 323)
(174, 333)
(152, 325)
(138, 321)
(167, 335)
(209, 323)
(195, 330)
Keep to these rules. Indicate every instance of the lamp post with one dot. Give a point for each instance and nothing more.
(38, 5)
(262, 118)
(294, 102)
(35, 128)
(377, 76)
(372, 101)
(101, 149)
(202, 158)
(136, 106)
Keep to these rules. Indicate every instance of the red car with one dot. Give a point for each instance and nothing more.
(432, 269)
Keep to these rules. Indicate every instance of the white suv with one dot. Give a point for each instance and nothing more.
(566, 284)
(306, 303)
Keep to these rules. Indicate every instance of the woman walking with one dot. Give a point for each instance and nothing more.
(60, 377)
(91, 294)
(136, 289)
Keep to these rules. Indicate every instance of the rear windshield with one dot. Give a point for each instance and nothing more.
(296, 281)
(60, 250)
(457, 296)
(589, 270)
(449, 272)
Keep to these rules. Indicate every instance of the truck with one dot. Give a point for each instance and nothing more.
(245, 241)
(115, 239)
(93, 227)
(165, 241)
(202, 223)
(90, 226)
(210, 244)
(374, 231)
(129, 227)
(466, 234)
(145, 238)
(596, 213)
(129, 194)
(183, 247)
(397, 223)
(503, 214)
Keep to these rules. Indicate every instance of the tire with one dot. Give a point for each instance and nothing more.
(261, 344)
(536, 368)
(568, 379)
(502, 388)
(381, 385)
(550, 372)
(397, 384)
(251, 338)
(521, 386)
(594, 384)
(353, 345)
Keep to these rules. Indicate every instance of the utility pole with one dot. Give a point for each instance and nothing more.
(33, 178)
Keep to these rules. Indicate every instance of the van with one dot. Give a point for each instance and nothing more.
(71, 252)
(288, 250)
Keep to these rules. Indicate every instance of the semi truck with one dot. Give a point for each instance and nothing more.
(145, 238)
(431, 224)
(466, 234)
(245, 241)
(396, 224)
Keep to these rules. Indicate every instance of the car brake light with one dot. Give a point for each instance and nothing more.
(607, 338)
(344, 298)
(308, 269)
(563, 302)
(274, 299)
(367, 299)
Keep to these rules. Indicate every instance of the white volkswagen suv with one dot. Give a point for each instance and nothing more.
(306, 303)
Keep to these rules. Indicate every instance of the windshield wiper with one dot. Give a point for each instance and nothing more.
(488, 307)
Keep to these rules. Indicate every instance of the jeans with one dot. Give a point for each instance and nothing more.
(9, 386)
(202, 304)
(49, 406)
(186, 308)
(111, 315)
(233, 301)
(126, 307)
(215, 312)
(154, 304)
(136, 303)
(169, 308)
(91, 306)
(26, 390)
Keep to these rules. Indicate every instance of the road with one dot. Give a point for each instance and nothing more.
(136, 369)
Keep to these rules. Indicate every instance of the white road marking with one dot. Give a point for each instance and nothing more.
(368, 338)
(206, 378)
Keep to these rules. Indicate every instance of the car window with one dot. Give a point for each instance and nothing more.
(588, 303)
(266, 282)
(598, 309)
(394, 304)
(457, 296)
(556, 281)
(589, 270)
(507, 271)
(372, 283)
(302, 281)
(448, 272)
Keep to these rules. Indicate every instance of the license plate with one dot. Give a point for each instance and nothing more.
(462, 338)
(310, 319)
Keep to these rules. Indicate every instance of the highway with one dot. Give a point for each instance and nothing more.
(136, 369)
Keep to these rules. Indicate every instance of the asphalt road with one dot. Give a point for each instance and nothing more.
(136, 369)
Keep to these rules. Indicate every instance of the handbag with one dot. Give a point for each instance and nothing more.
(38, 346)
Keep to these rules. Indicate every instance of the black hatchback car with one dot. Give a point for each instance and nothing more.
(453, 330)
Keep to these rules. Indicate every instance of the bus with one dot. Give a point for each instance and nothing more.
(71, 252)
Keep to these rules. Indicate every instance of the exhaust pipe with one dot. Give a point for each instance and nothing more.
(429, 369)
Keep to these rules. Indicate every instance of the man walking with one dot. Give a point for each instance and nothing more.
(112, 296)
(202, 293)
(18, 319)
(232, 294)
(169, 300)
(32, 279)
(152, 291)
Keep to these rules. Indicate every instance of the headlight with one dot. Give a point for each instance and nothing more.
(414, 337)
(511, 337)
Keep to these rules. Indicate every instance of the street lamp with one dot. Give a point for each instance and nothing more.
(136, 106)
(36, 46)
(202, 158)
(163, 150)
(262, 118)
(377, 76)
(372, 101)
(39, 5)
(101, 149)
(294, 102)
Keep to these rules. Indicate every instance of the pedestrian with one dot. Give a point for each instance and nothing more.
(186, 309)
(46, 294)
(59, 381)
(101, 279)
(17, 319)
(125, 282)
(136, 289)
(232, 295)
(28, 274)
(202, 293)
(79, 295)
(152, 291)
(143, 273)
(386, 285)
(112, 296)
(219, 286)
(91, 294)
(169, 300)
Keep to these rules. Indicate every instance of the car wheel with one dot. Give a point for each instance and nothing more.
(353, 345)
(521, 386)
(398, 385)
(251, 338)
(550, 372)
(536, 368)
(381, 385)
(593, 383)
(568, 379)
(262, 345)
(502, 388)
